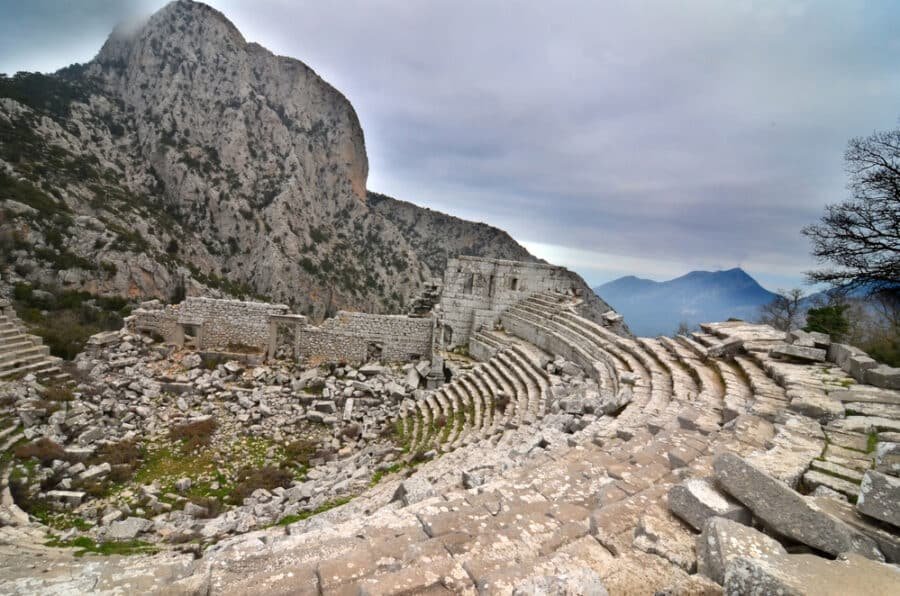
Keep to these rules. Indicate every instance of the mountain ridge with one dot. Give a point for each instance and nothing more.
(657, 308)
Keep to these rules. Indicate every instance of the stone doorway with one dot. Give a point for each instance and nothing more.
(190, 333)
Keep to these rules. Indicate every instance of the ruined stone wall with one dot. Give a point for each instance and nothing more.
(354, 337)
(156, 319)
(231, 321)
(219, 322)
(477, 290)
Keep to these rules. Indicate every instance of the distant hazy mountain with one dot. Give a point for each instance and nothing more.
(656, 308)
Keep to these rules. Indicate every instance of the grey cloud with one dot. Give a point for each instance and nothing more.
(685, 132)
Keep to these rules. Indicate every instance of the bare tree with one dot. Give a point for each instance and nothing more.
(785, 311)
(860, 237)
(683, 328)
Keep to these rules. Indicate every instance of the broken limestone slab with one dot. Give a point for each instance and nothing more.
(815, 404)
(867, 424)
(790, 575)
(412, 490)
(856, 366)
(809, 339)
(728, 347)
(129, 528)
(887, 541)
(798, 441)
(814, 480)
(611, 405)
(887, 458)
(723, 540)
(879, 497)
(788, 512)
(580, 581)
(666, 538)
(884, 376)
(70, 498)
(840, 353)
(195, 510)
(96, 471)
(792, 352)
(695, 500)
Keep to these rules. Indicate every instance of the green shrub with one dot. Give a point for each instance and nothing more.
(72, 318)
(300, 451)
(267, 477)
(194, 434)
(885, 350)
(44, 450)
(58, 393)
(831, 320)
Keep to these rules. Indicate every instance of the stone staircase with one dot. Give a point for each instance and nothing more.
(22, 353)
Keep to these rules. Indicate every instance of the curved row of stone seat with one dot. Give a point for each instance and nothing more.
(648, 401)
(768, 398)
(602, 508)
(629, 353)
(683, 385)
(506, 391)
(545, 318)
(538, 331)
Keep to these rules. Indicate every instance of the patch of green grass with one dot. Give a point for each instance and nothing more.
(60, 521)
(871, 442)
(379, 474)
(86, 545)
(314, 390)
(167, 465)
(290, 519)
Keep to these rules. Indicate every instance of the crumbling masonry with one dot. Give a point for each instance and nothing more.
(474, 293)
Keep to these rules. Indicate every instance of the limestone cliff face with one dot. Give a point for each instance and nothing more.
(183, 156)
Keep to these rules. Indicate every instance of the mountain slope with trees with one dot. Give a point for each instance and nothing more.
(185, 160)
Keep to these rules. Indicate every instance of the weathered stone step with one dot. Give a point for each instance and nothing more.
(16, 342)
(526, 392)
(738, 394)
(43, 367)
(698, 350)
(10, 335)
(603, 367)
(25, 352)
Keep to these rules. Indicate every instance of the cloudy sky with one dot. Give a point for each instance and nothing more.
(629, 137)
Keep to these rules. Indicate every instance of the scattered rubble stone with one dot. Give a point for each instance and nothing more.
(723, 540)
(695, 500)
(787, 512)
(128, 529)
(879, 496)
(790, 575)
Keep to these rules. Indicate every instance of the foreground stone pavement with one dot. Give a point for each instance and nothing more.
(689, 474)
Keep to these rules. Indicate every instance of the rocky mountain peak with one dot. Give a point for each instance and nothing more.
(196, 23)
(185, 158)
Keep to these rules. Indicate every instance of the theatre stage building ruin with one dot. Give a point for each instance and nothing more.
(474, 293)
